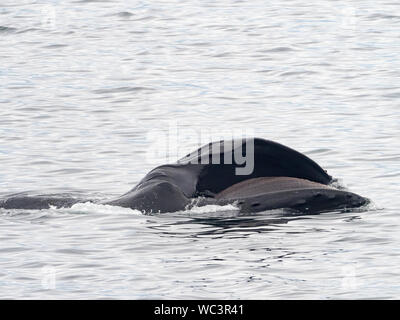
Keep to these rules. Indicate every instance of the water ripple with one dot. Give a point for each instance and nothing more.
(91, 92)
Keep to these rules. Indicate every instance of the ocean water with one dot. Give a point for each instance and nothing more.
(94, 94)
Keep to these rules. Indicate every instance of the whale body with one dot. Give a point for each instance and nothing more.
(280, 177)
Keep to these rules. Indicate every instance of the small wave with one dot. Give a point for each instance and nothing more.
(388, 175)
(4, 29)
(320, 151)
(394, 95)
(28, 30)
(123, 14)
(55, 46)
(276, 49)
(378, 16)
(388, 158)
(297, 73)
(122, 89)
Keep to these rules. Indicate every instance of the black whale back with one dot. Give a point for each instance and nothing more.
(198, 173)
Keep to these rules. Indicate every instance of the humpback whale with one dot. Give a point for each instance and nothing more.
(280, 177)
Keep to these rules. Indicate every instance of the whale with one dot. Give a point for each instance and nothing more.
(277, 177)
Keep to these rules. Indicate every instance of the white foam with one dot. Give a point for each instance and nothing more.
(90, 207)
(338, 184)
(212, 208)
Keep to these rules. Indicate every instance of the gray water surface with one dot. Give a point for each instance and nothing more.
(93, 92)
